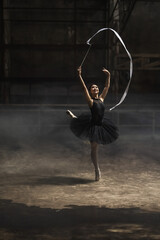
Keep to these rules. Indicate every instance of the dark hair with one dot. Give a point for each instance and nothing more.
(89, 88)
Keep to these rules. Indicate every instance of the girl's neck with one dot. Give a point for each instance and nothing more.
(95, 97)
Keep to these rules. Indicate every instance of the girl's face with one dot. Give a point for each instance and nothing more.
(94, 90)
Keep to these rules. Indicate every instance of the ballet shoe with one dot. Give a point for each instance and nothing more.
(68, 112)
(97, 174)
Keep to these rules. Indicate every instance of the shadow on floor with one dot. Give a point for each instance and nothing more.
(19, 221)
(14, 179)
(61, 180)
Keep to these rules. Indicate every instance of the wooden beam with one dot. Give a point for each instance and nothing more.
(140, 62)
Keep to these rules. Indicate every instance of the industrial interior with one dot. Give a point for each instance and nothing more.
(47, 187)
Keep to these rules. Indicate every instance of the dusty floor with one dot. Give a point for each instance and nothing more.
(47, 191)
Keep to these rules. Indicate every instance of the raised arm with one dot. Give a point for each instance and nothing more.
(107, 85)
(87, 95)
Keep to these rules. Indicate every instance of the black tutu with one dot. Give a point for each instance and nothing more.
(104, 133)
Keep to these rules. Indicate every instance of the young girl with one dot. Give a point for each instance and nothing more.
(95, 127)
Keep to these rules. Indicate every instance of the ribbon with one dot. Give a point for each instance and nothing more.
(129, 55)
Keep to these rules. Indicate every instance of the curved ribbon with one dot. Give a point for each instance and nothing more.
(129, 55)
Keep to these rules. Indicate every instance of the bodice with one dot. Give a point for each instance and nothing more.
(97, 111)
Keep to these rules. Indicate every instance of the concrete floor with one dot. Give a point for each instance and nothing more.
(47, 191)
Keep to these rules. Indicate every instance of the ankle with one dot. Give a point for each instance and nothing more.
(97, 174)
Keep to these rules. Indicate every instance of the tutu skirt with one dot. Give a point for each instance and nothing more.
(84, 128)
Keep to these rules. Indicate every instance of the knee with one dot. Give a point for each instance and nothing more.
(93, 149)
(94, 146)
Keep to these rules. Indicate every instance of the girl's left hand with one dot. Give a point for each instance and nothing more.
(105, 70)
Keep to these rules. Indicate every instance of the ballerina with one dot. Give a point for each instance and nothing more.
(95, 126)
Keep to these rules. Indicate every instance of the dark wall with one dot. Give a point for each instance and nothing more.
(142, 31)
(44, 41)
(142, 35)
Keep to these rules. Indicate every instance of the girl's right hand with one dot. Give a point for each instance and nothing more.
(79, 70)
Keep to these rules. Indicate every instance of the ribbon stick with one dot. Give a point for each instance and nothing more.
(129, 55)
(85, 55)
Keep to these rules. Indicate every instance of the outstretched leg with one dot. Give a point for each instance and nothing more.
(94, 157)
(71, 114)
